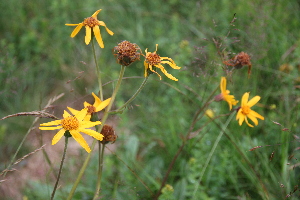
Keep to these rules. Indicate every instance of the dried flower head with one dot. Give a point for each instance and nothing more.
(152, 59)
(109, 134)
(240, 60)
(91, 23)
(127, 52)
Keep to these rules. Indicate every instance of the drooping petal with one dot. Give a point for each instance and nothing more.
(246, 120)
(245, 99)
(93, 133)
(101, 23)
(76, 135)
(241, 118)
(80, 115)
(72, 24)
(88, 35)
(58, 136)
(239, 113)
(76, 30)
(96, 13)
(151, 69)
(253, 101)
(52, 123)
(146, 66)
(102, 105)
(170, 62)
(50, 128)
(97, 34)
(73, 111)
(66, 114)
(88, 124)
(255, 121)
(97, 100)
(255, 114)
(163, 70)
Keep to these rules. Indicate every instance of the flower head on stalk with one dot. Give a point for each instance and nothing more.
(127, 53)
(152, 59)
(245, 111)
(96, 107)
(89, 24)
(73, 124)
(224, 96)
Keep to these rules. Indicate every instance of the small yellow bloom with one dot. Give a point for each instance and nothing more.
(246, 112)
(225, 94)
(153, 59)
(96, 107)
(209, 113)
(91, 23)
(75, 125)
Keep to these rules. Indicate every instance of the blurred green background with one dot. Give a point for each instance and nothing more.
(39, 60)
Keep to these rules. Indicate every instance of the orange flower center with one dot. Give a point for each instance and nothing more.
(90, 21)
(91, 109)
(70, 123)
(246, 110)
(153, 59)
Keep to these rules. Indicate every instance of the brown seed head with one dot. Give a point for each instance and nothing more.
(240, 60)
(91, 109)
(153, 58)
(109, 134)
(127, 53)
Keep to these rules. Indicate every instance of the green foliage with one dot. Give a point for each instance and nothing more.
(38, 60)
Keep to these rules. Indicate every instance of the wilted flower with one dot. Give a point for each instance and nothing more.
(245, 110)
(224, 96)
(96, 107)
(240, 60)
(127, 52)
(109, 134)
(91, 23)
(154, 60)
(74, 125)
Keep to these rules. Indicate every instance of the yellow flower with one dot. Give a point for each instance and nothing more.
(153, 59)
(209, 113)
(75, 125)
(91, 23)
(96, 107)
(225, 94)
(245, 110)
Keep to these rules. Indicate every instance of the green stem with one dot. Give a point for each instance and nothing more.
(212, 152)
(98, 72)
(60, 168)
(135, 95)
(101, 158)
(105, 116)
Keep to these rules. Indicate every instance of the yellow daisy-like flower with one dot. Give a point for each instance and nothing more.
(91, 23)
(96, 107)
(224, 96)
(153, 59)
(75, 125)
(246, 112)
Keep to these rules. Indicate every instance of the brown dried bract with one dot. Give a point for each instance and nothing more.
(240, 60)
(109, 134)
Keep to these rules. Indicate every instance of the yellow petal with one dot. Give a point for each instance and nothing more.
(76, 135)
(98, 36)
(170, 62)
(72, 24)
(223, 85)
(239, 113)
(151, 69)
(102, 105)
(97, 100)
(73, 111)
(248, 122)
(66, 114)
(92, 133)
(88, 35)
(86, 104)
(255, 121)
(80, 115)
(87, 117)
(58, 136)
(241, 118)
(101, 23)
(146, 66)
(52, 123)
(245, 98)
(255, 114)
(88, 124)
(166, 73)
(253, 101)
(96, 13)
(76, 30)
(50, 128)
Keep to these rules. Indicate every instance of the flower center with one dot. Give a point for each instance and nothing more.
(90, 21)
(246, 110)
(91, 109)
(70, 123)
(153, 59)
